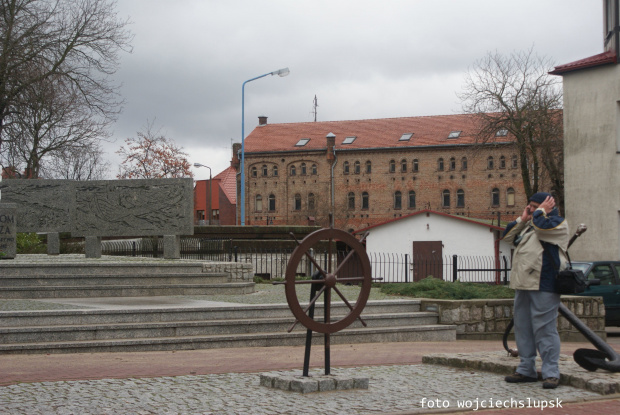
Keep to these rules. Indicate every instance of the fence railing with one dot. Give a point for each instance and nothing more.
(272, 263)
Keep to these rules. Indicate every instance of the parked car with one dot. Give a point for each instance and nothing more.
(608, 273)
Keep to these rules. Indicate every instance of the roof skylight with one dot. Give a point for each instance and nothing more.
(501, 133)
(454, 134)
(302, 142)
(405, 137)
(349, 140)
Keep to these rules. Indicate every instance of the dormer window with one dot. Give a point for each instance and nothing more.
(454, 134)
(302, 142)
(501, 133)
(349, 140)
(405, 137)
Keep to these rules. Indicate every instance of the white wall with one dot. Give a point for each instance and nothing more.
(459, 237)
(592, 160)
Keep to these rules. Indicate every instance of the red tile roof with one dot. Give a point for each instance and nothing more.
(228, 183)
(596, 60)
(382, 133)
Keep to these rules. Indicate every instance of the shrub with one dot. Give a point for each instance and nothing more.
(30, 243)
(445, 290)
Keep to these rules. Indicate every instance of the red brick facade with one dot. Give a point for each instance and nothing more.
(294, 186)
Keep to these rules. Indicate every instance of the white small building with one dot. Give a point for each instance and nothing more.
(430, 240)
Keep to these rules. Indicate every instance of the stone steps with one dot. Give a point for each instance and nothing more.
(188, 328)
(86, 280)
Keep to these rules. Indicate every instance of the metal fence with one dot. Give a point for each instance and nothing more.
(272, 263)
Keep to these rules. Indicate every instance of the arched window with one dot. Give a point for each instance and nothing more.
(445, 198)
(311, 201)
(460, 198)
(464, 163)
(254, 172)
(365, 201)
(345, 167)
(490, 163)
(272, 202)
(414, 165)
(297, 205)
(440, 164)
(514, 161)
(258, 203)
(403, 166)
(368, 167)
(303, 169)
(293, 171)
(275, 171)
(495, 197)
(398, 200)
(392, 166)
(502, 162)
(351, 200)
(452, 163)
(411, 199)
(264, 168)
(356, 167)
(510, 197)
(314, 170)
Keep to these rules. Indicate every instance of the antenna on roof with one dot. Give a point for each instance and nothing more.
(315, 104)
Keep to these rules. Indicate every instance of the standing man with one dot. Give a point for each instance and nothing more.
(540, 238)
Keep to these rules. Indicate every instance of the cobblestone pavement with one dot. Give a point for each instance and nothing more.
(410, 388)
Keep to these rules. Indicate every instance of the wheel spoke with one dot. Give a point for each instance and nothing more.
(348, 304)
(344, 261)
(329, 258)
(350, 279)
(316, 297)
(309, 282)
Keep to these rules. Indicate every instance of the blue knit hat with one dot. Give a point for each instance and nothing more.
(539, 197)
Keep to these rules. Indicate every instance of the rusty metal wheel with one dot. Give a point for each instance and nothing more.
(328, 279)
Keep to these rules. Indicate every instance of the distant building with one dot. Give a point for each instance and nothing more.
(223, 196)
(592, 144)
(371, 171)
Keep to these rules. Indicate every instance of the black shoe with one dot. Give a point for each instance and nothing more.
(551, 383)
(519, 378)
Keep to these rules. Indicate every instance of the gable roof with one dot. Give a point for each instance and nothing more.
(228, 183)
(420, 212)
(593, 61)
(375, 133)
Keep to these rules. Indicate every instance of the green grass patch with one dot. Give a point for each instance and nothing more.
(445, 290)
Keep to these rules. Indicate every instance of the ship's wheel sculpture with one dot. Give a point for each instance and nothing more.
(325, 285)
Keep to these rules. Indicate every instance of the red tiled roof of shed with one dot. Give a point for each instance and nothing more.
(590, 62)
(374, 133)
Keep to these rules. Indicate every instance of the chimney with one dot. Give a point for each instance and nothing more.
(235, 162)
(262, 120)
(331, 142)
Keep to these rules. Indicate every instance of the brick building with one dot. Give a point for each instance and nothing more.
(222, 201)
(370, 171)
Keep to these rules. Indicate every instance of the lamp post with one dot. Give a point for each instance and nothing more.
(210, 193)
(280, 72)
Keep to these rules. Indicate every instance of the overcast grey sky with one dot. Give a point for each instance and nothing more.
(361, 58)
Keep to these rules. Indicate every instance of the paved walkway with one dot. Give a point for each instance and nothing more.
(225, 381)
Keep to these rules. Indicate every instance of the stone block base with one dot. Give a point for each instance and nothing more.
(295, 382)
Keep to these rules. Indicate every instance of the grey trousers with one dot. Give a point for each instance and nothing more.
(535, 317)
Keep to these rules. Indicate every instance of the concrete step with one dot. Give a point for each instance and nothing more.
(86, 280)
(176, 314)
(62, 267)
(36, 292)
(296, 338)
(72, 333)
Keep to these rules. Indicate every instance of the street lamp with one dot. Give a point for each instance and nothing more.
(280, 72)
(210, 193)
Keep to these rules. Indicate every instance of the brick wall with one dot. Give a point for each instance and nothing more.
(476, 181)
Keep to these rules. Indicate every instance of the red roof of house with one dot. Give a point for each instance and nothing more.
(470, 220)
(228, 183)
(376, 133)
(596, 60)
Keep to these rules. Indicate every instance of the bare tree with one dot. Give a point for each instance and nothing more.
(74, 42)
(152, 155)
(84, 162)
(517, 94)
(54, 120)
